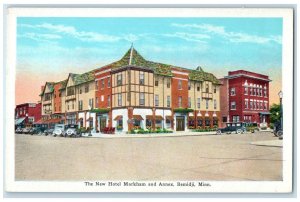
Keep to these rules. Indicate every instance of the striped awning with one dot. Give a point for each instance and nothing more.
(119, 117)
(138, 117)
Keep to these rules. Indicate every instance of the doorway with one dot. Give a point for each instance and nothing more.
(180, 123)
(102, 123)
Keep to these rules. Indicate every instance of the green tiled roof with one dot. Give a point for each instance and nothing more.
(200, 75)
(63, 84)
(83, 78)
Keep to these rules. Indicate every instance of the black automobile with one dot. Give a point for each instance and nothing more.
(72, 131)
(236, 127)
(278, 132)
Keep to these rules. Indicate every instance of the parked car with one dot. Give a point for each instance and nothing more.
(59, 130)
(48, 131)
(36, 131)
(278, 132)
(18, 130)
(72, 131)
(26, 130)
(237, 127)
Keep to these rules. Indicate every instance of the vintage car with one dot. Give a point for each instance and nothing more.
(48, 131)
(72, 131)
(236, 127)
(26, 131)
(59, 130)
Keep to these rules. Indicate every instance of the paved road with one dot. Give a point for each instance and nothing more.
(225, 157)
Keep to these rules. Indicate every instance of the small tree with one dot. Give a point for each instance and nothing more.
(275, 113)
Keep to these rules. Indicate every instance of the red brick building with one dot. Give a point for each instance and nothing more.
(28, 113)
(245, 97)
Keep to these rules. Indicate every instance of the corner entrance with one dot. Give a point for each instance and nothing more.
(180, 123)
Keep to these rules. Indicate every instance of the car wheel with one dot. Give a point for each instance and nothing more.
(279, 133)
(219, 132)
(239, 131)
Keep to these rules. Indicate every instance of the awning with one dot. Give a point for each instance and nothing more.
(118, 118)
(138, 117)
(169, 118)
(19, 121)
(158, 117)
(264, 113)
(90, 119)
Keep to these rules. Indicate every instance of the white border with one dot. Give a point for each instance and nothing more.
(259, 187)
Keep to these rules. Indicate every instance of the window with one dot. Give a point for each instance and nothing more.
(215, 89)
(80, 105)
(179, 84)
(119, 99)
(235, 118)
(215, 104)
(254, 91)
(251, 104)
(142, 98)
(189, 85)
(102, 98)
(261, 105)
(233, 106)
(246, 90)
(168, 83)
(119, 79)
(80, 91)
(108, 101)
(102, 83)
(91, 103)
(198, 102)
(156, 81)
(251, 91)
(207, 122)
(265, 106)
(206, 88)
(70, 91)
(168, 101)
(142, 80)
(120, 123)
(86, 89)
(232, 91)
(156, 100)
(108, 82)
(73, 105)
(265, 92)
(198, 87)
(246, 104)
(189, 102)
(179, 101)
(96, 84)
(254, 104)
(206, 103)
(97, 101)
(224, 119)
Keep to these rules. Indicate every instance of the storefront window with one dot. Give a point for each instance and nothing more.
(207, 122)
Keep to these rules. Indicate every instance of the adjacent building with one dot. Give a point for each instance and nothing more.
(245, 97)
(26, 114)
(134, 93)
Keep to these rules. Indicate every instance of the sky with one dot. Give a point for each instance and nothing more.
(48, 49)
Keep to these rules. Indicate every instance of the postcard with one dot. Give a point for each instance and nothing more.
(149, 100)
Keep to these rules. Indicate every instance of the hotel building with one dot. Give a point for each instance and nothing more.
(245, 97)
(136, 93)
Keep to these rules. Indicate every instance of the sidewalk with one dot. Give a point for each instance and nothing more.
(174, 134)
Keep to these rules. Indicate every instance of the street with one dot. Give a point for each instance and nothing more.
(211, 157)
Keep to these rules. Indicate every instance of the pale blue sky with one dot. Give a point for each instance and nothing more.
(57, 46)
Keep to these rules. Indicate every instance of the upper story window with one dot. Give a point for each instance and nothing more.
(80, 105)
(102, 83)
(142, 98)
(108, 101)
(215, 104)
(246, 104)
(198, 87)
(251, 91)
(119, 79)
(86, 88)
(190, 102)
(179, 84)
(265, 106)
(168, 101)
(189, 85)
(142, 79)
(198, 102)
(207, 88)
(108, 82)
(156, 81)
(156, 101)
(254, 91)
(70, 91)
(91, 103)
(265, 92)
(215, 89)
(251, 104)
(180, 101)
(96, 84)
(233, 105)
(168, 83)
(246, 90)
(80, 91)
(120, 99)
(206, 104)
(232, 91)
